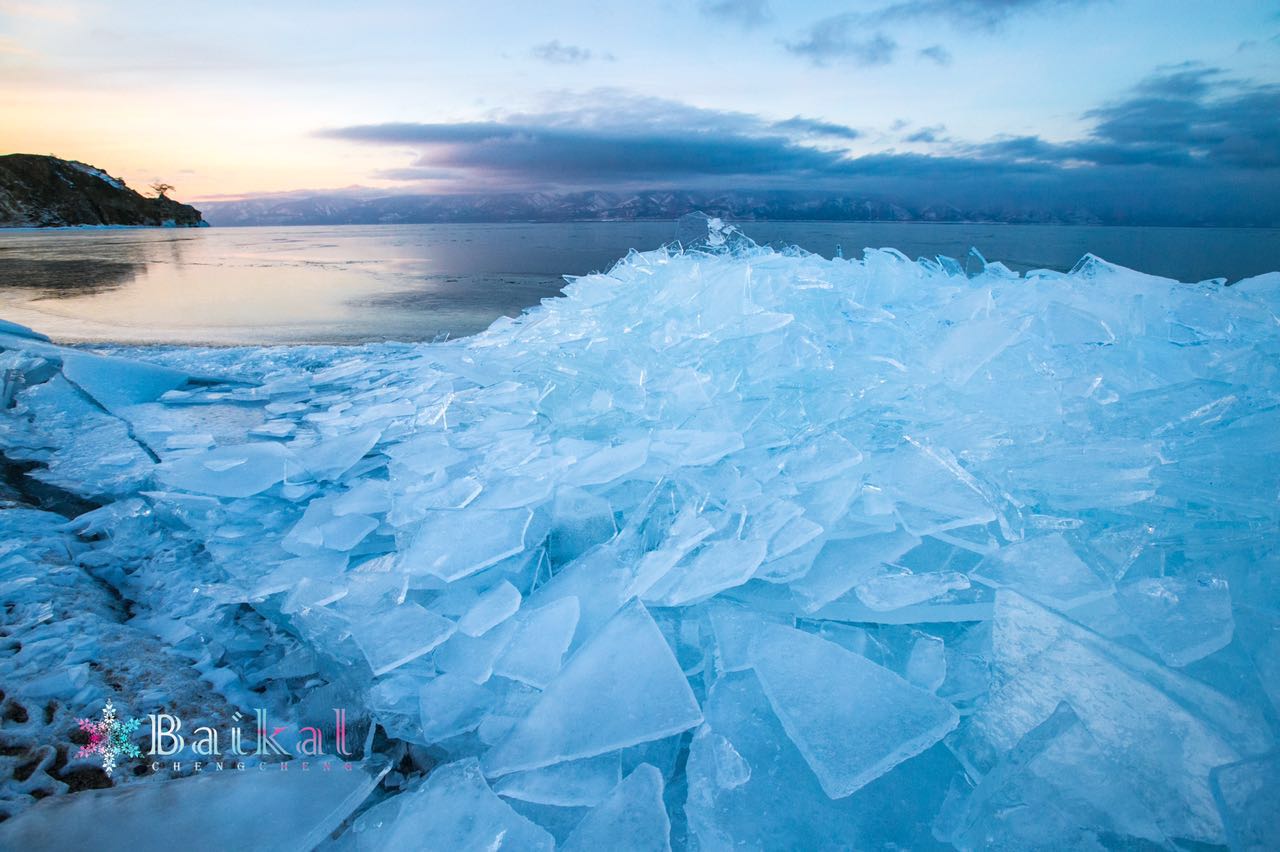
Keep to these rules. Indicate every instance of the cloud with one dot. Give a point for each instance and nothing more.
(816, 127)
(937, 53)
(864, 38)
(1186, 145)
(565, 54)
(609, 139)
(928, 135)
(530, 156)
(1185, 117)
(747, 14)
(977, 14)
(839, 39)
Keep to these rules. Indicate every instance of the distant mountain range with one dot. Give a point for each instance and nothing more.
(353, 209)
(39, 191)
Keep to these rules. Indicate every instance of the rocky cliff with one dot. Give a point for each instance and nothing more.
(44, 192)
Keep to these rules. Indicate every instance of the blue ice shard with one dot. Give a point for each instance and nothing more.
(624, 687)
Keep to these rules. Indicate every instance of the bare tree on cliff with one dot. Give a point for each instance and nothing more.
(161, 188)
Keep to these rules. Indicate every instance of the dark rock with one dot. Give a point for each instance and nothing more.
(45, 192)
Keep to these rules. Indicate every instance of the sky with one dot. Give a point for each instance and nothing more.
(1139, 103)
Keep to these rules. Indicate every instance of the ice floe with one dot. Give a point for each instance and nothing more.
(727, 547)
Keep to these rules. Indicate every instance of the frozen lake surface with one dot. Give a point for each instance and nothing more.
(727, 548)
(355, 284)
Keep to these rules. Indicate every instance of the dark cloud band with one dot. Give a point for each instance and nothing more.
(1186, 145)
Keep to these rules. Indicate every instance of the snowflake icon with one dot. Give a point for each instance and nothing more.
(109, 738)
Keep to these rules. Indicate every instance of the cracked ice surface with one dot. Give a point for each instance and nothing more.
(728, 547)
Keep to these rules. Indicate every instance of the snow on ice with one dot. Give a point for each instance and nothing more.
(726, 547)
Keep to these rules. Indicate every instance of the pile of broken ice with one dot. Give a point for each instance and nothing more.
(726, 548)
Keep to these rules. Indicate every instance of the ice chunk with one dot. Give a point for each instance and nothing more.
(842, 563)
(574, 783)
(971, 604)
(894, 590)
(493, 607)
(17, 330)
(608, 464)
(719, 565)
(1246, 796)
(927, 663)
(1166, 730)
(789, 539)
(598, 579)
(392, 638)
(93, 454)
(1046, 569)
(851, 719)
(538, 642)
(236, 471)
(822, 457)
(332, 457)
(346, 531)
(1183, 619)
(274, 429)
(699, 232)
(454, 809)
(319, 527)
(425, 453)
(1056, 789)
(622, 688)
(934, 491)
(731, 768)
(188, 442)
(451, 704)
(1109, 472)
(116, 383)
(633, 816)
(741, 759)
(457, 493)
(455, 544)
(321, 565)
(581, 520)
(687, 447)
(966, 347)
(735, 628)
(1259, 632)
(1267, 282)
(1070, 326)
(687, 530)
(366, 497)
(473, 656)
(280, 808)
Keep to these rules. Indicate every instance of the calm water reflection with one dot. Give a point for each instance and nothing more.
(417, 282)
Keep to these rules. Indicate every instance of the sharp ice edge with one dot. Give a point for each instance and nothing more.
(637, 562)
